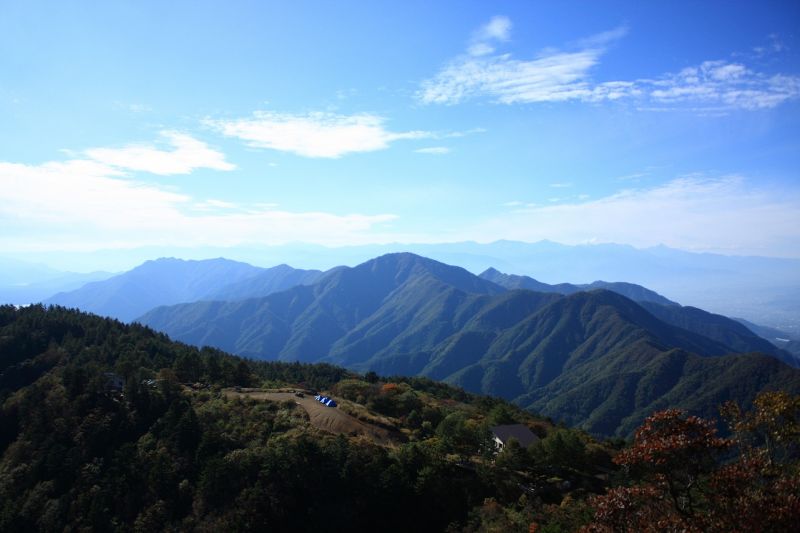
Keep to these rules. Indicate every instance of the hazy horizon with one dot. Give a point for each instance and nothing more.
(120, 260)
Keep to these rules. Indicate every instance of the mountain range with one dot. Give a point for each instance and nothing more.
(169, 281)
(737, 335)
(629, 290)
(594, 358)
(599, 355)
(763, 290)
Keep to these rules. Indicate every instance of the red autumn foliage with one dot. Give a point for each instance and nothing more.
(748, 495)
(683, 486)
(640, 508)
(668, 440)
(390, 388)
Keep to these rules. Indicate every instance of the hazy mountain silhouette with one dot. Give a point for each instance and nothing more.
(160, 282)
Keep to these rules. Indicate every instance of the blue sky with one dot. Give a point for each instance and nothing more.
(129, 124)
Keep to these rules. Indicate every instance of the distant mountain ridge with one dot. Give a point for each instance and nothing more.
(764, 290)
(274, 279)
(635, 292)
(169, 281)
(405, 314)
(726, 330)
(732, 333)
(160, 282)
(786, 341)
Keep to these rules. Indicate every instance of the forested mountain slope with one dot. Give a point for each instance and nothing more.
(637, 293)
(270, 280)
(717, 327)
(100, 431)
(403, 314)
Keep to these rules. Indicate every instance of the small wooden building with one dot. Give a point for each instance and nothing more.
(520, 432)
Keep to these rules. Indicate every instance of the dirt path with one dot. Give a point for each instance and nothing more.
(330, 419)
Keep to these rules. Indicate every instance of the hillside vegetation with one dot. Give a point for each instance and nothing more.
(167, 448)
(113, 427)
(595, 359)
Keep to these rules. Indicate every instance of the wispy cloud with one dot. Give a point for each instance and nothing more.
(318, 134)
(81, 192)
(604, 38)
(458, 134)
(558, 76)
(82, 204)
(726, 214)
(562, 185)
(186, 155)
(552, 76)
(774, 45)
(498, 29)
(636, 176)
(721, 85)
(434, 150)
(213, 204)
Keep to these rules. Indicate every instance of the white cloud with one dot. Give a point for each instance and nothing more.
(81, 192)
(557, 76)
(212, 204)
(721, 85)
(480, 49)
(497, 29)
(187, 155)
(84, 204)
(603, 39)
(636, 176)
(727, 72)
(720, 214)
(434, 150)
(554, 77)
(562, 185)
(318, 134)
(551, 77)
(458, 134)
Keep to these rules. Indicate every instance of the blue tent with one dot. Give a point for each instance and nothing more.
(330, 403)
